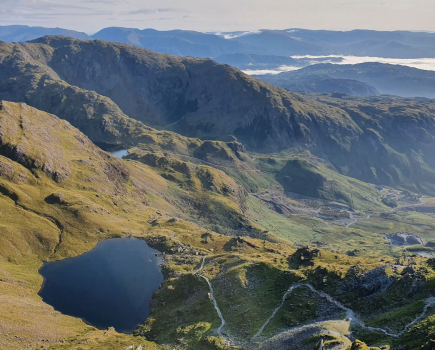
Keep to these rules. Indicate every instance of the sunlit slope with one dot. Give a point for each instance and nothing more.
(59, 195)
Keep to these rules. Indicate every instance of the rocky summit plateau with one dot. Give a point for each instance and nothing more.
(154, 200)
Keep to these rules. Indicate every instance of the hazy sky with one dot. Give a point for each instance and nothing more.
(222, 15)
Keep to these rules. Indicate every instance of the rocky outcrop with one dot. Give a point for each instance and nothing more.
(366, 283)
(297, 339)
(239, 242)
(55, 198)
(405, 238)
(306, 255)
(359, 345)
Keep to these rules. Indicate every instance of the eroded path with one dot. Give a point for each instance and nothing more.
(350, 314)
(275, 311)
(219, 330)
(197, 273)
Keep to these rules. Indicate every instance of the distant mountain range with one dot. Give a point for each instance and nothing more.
(398, 44)
(174, 42)
(322, 84)
(18, 33)
(385, 78)
(247, 61)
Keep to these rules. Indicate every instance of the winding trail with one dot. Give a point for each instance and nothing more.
(284, 298)
(197, 273)
(356, 220)
(350, 314)
(219, 330)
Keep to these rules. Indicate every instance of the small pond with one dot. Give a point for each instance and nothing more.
(110, 286)
(121, 153)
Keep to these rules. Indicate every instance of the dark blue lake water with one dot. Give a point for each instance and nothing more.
(110, 286)
(120, 153)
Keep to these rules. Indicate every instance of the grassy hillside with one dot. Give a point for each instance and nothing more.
(399, 136)
(60, 195)
(310, 177)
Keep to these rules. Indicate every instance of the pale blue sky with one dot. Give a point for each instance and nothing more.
(222, 15)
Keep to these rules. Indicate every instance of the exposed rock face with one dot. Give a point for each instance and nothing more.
(367, 283)
(306, 254)
(359, 345)
(320, 346)
(296, 339)
(236, 147)
(405, 238)
(55, 198)
(239, 242)
(353, 252)
(162, 162)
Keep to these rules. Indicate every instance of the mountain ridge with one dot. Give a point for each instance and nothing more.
(204, 99)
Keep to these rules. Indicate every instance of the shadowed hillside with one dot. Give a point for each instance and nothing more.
(201, 98)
